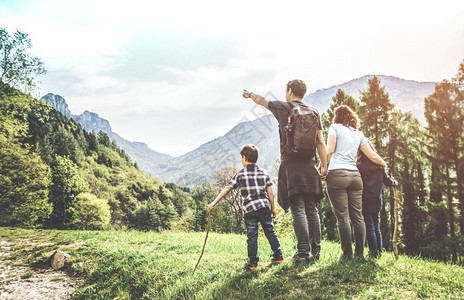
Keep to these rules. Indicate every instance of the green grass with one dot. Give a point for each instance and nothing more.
(136, 265)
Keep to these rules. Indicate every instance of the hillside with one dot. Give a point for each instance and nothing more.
(135, 265)
(55, 174)
(147, 159)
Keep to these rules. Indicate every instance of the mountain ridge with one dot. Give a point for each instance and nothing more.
(403, 93)
(197, 166)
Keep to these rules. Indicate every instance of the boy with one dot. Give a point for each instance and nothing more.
(257, 203)
(373, 176)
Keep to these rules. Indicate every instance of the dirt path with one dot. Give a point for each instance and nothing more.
(18, 281)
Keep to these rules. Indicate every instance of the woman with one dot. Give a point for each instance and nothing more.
(373, 176)
(344, 183)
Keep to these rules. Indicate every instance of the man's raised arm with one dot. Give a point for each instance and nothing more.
(256, 98)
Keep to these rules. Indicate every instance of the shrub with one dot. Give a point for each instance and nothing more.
(89, 212)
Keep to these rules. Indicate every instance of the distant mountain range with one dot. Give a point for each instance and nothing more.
(147, 159)
(198, 165)
(407, 95)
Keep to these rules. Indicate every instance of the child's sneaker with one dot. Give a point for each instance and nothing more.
(277, 260)
(251, 266)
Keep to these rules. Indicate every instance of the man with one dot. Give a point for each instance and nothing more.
(299, 184)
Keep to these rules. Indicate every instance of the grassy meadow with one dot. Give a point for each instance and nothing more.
(139, 265)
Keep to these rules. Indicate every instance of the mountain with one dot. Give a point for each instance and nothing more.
(198, 165)
(91, 121)
(147, 160)
(58, 103)
(407, 95)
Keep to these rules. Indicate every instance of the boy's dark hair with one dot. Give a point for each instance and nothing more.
(250, 152)
(298, 87)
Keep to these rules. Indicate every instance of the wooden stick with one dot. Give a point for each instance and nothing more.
(395, 231)
(204, 244)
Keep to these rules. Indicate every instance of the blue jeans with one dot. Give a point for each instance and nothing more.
(252, 219)
(373, 234)
(306, 224)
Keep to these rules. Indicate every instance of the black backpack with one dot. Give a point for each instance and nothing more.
(301, 131)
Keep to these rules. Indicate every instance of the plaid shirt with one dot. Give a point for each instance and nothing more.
(253, 183)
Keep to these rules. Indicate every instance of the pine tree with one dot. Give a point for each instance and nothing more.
(375, 113)
(444, 112)
(436, 224)
(202, 195)
(405, 158)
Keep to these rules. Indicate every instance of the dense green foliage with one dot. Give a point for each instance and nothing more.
(137, 265)
(89, 212)
(24, 183)
(444, 112)
(55, 174)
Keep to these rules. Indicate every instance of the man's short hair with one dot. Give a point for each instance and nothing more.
(250, 152)
(298, 87)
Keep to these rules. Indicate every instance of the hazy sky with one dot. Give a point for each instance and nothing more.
(171, 73)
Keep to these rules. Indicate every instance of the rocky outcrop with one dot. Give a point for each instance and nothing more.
(92, 122)
(58, 103)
